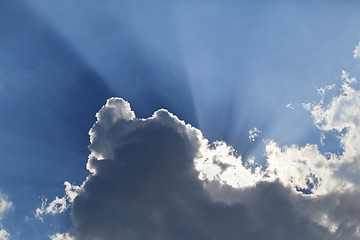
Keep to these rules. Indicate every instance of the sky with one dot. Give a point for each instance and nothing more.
(179, 119)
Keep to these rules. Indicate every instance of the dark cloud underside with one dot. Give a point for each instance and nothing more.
(146, 188)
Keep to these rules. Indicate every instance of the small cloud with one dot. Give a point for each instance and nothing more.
(321, 91)
(5, 205)
(58, 205)
(60, 236)
(346, 77)
(220, 162)
(322, 138)
(307, 106)
(254, 133)
(290, 106)
(357, 51)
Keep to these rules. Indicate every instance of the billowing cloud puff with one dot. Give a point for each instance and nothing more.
(220, 162)
(343, 115)
(304, 169)
(144, 186)
(308, 170)
(159, 178)
(4, 235)
(62, 236)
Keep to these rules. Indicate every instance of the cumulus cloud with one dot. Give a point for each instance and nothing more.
(331, 180)
(305, 168)
(220, 162)
(143, 185)
(290, 106)
(342, 115)
(159, 178)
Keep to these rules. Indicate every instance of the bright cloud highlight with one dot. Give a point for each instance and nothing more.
(253, 134)
(62, 236)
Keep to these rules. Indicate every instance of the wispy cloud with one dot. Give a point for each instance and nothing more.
(58, 205)
(254, 133)
(357, 51)
(5, 205)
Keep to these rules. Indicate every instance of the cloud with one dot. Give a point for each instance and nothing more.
(58, 205)
(5, 205)
(357, 51)
(62, 236)
(4, 235)
(342, 115)
(220, 162)
(310, 171)
(254, 133)
(303, 168)
(331, 180)
(159, 178)
(290, 106)
(321, 91)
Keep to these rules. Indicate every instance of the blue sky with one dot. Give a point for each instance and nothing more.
(224, 67)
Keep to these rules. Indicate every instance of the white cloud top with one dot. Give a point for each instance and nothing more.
(304, 169)
(4, 235)
(342, 115)
(61, 236)
(220, 162)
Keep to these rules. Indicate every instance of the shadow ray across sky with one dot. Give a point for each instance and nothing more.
(49, 97)
(46, 86)
(134, 53)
